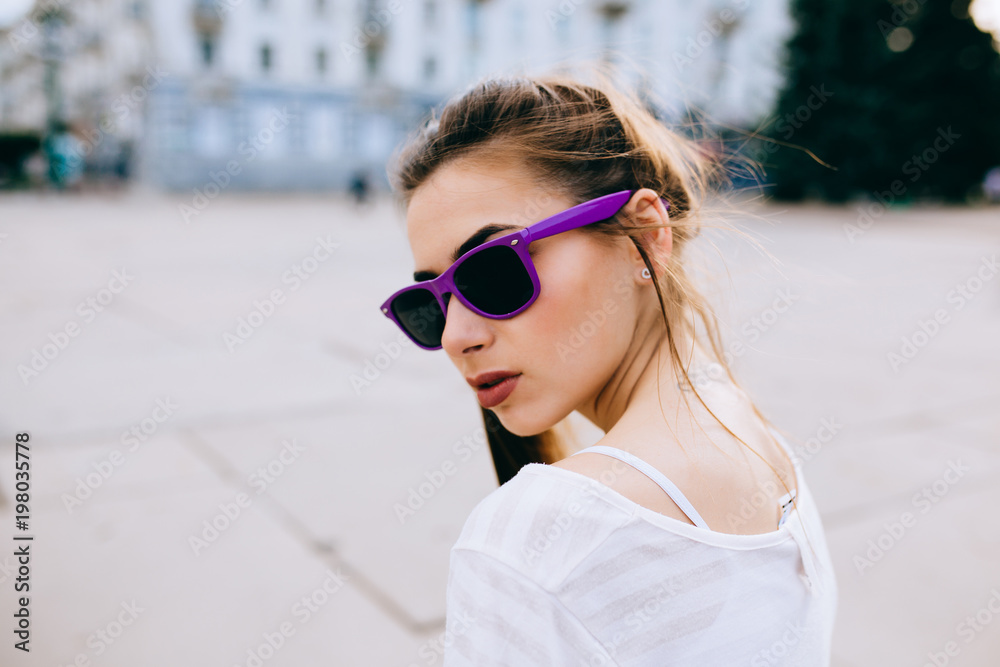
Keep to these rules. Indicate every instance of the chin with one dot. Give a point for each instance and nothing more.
(522, 425)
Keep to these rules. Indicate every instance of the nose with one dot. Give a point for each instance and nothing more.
(464, 330)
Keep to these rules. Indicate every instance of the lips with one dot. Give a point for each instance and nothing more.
(488, 378)
(494, 387)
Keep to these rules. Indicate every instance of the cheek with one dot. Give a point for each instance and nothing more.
(579, 319)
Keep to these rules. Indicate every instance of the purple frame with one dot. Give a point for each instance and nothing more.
(586, 213)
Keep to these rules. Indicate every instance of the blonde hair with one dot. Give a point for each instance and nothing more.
(582, 141)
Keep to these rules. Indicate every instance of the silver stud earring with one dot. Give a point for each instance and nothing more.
(645, 274)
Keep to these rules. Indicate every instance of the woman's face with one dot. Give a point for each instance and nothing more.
(571, 340)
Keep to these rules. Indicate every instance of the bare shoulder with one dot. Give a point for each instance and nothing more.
(714, 485)
(624, 480)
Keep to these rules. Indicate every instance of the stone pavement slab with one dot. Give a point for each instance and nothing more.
(374, 424)
(118, 581)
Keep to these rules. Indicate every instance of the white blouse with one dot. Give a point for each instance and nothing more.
(556, 569)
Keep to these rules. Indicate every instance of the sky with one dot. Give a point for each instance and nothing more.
(986, 13)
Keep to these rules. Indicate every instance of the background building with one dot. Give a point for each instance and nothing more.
(290, 94)
(78, 63)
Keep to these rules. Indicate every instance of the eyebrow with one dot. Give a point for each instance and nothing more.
(475, 240)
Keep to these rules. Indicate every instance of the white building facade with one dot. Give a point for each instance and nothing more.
(302, 94)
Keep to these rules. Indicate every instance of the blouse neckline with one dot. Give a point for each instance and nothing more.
(670, 524)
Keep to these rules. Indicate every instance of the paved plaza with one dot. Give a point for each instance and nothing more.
(224, 427)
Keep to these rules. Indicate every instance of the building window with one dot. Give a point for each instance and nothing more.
(207, 50)
(321, 63)
(372, 62)
(430, 68)
(472, 24)
(321, 7)
(375, 46)
(266, 58)
(611, 22)
(265, 4)
(430, 12)
(472, 30)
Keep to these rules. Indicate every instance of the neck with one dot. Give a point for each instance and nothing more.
(632, 389)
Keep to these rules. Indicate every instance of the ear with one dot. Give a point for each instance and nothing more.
(647, 208)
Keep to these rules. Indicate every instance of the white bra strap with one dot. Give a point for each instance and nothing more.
(655, 475)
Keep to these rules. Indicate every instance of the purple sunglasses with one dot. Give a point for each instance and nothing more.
(496, 279)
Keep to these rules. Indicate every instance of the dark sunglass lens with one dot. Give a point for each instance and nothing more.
(419, 313)
(495, 280)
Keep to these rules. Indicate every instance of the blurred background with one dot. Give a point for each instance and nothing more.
(235, 459)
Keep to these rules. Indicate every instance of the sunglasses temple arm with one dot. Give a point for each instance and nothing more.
(578, 216)
(594, 211)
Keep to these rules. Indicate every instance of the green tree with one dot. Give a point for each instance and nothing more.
(901, 98)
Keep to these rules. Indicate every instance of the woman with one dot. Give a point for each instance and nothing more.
(549, 219)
